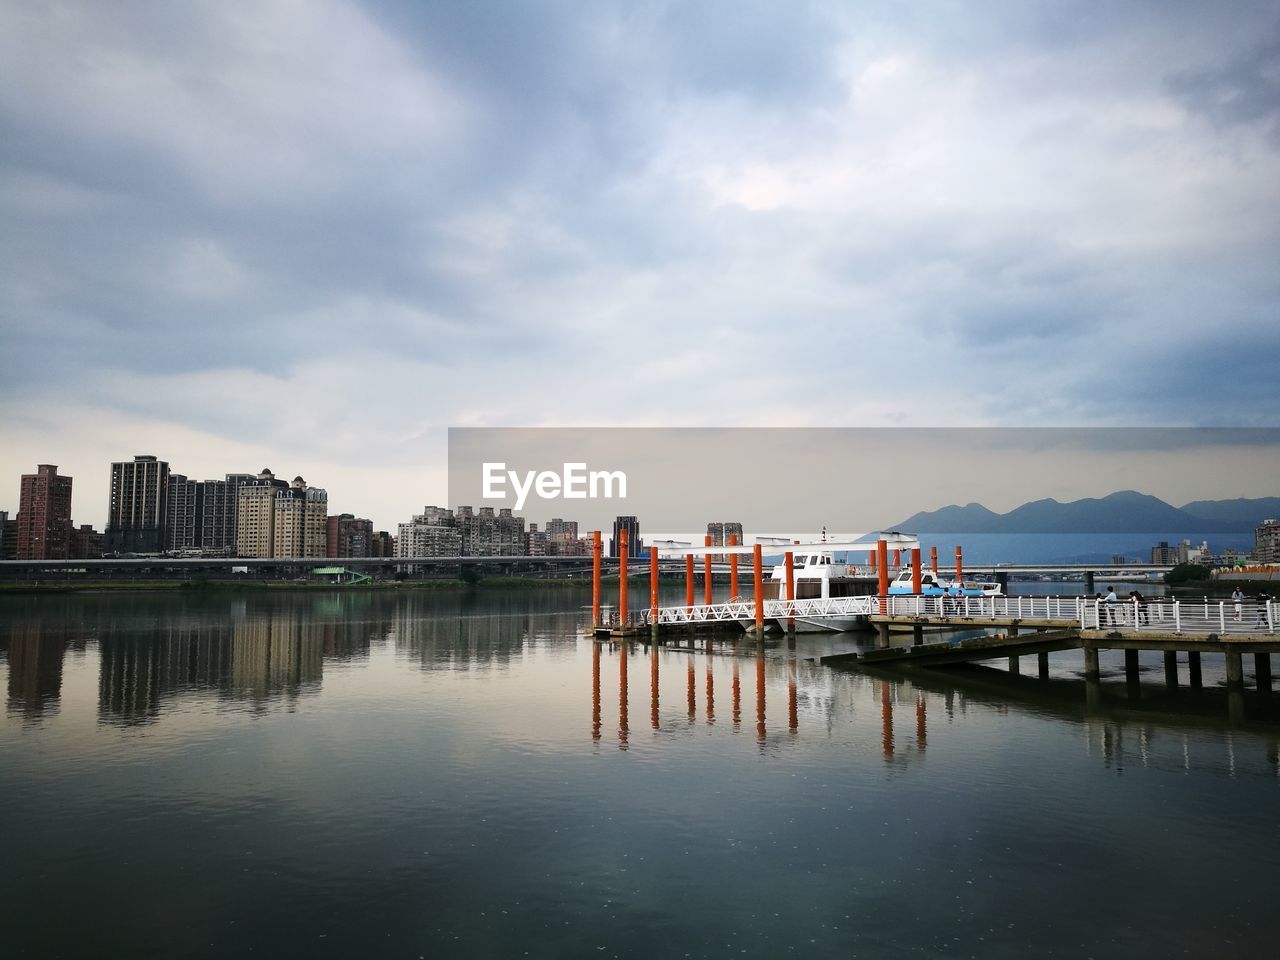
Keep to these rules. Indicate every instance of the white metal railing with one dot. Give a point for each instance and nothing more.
(1156, 615)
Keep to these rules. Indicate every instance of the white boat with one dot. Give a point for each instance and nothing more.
(935, 585)
(816, 573)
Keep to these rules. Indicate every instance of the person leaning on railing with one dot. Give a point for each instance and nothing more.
(1263, 600)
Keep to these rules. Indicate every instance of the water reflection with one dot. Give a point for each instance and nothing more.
(35, 670)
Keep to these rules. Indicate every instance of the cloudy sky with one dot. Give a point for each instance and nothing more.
(313, 236)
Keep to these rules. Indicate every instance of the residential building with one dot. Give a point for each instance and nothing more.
(1189, 554)
(139, 508)
(44, 515)
(721, 531)
(279, 519)
(348, 536)
(432, 533)
(382, 545)
(632, 526)
(86, 543)
(536, 544)
(8, 536)
(1266, 539)
(255, 514)
(1162, 553)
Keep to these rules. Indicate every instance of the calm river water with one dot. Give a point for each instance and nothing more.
(366, 774)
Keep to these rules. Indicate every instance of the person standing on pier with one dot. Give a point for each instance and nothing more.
(1263, 599)
(1111, 602)
(1237, 597)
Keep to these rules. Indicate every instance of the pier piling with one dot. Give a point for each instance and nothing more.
(915, 571)
(1262, 671)
(733, 567)
(1171, 669)
(1042, 663)
(623, 548)
(595, 580)
(706, 572)
(790, 563)
(1193, 669)
(757, 560)
(653, 594)
(688, 579)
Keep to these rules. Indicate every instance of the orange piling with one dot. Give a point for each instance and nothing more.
(873, 562)
(706, 572)
(595, 579)
(897, 558)
(733, 567)
(688, 579)
(757, 558)
(622, 577)
(653, 587)
(933, 560)
(959, 565)
(915, 570)
(882, 574)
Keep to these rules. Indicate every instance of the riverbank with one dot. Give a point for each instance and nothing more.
(236, 586)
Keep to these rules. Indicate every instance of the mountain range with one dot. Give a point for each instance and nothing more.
(1126, 511)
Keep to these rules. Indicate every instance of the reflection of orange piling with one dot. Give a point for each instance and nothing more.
(959, 565)
(653, 586)
(933, 560)
(693, 694)
(622, 696)
(706, 572)
(737, 696)
(757, 559)
(595, 579)
(882, 575)
(760, 696)
(920, 724)
(688, 579)
(915, 570)
(595, 691)
(793, 716)
(622, 577)
(886, 720)
(733, 567)
(653, 686)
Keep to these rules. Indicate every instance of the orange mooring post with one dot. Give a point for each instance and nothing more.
(733, 567)
(959, 566)
(897, 558)
(623, 547)
(688, 579)
(706, 572)
(882, 574)
(915, 570)
(933, 559)
(653, 586)
(757, 558)
(595, 579)
(873, 561)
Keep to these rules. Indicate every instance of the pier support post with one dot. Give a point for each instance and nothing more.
(1235, 669)
(897, 560)
(623, 549)
(1015, 666)
(933, 561)
(1193, 669)
(1002, 578)
(1131, 667)
(1088, 583)
(757, 561)
(1171, 669)
(706, 571)
(1091, 671)
(959, 564)
(688, 579)
(915, 571)
(595, 579)
(882, 636)
(653, 593)
(790, 563)
(1042, 663)
(917, 634)
(1235, 687)
(1262, 671)
(733, 567)
(882, 578)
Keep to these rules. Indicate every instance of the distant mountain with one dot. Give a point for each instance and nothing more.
(1251, 512)
(1126, 511)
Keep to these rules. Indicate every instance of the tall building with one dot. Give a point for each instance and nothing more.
(279, 519)
(86, 543)
(348, 536)
(8, 536)
(536, 542)
(1162, 553)
(383, 545)
(432, 533)
(1266, 540)
(44, 515)
(139, 508)
(721, 531)
(632, 526)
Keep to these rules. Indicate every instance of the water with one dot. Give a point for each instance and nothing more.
(430, 775)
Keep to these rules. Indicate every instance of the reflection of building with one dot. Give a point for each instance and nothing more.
(282, 652)
(35, 669)
(139, 507)
(141, 671)
(44, 515)
(1266, 538)
(720, 532)
(348, 536)
(632, 526)
(278, 519)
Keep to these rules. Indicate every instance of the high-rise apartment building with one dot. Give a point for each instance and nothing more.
(44, 515)
(8, 536)
(432, 533)
(279, 519)
(632, 526)
(1266, 540)
(721, 531)
(139, 507)
(348, 536)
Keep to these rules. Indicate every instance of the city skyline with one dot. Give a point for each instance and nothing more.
(321, 234)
